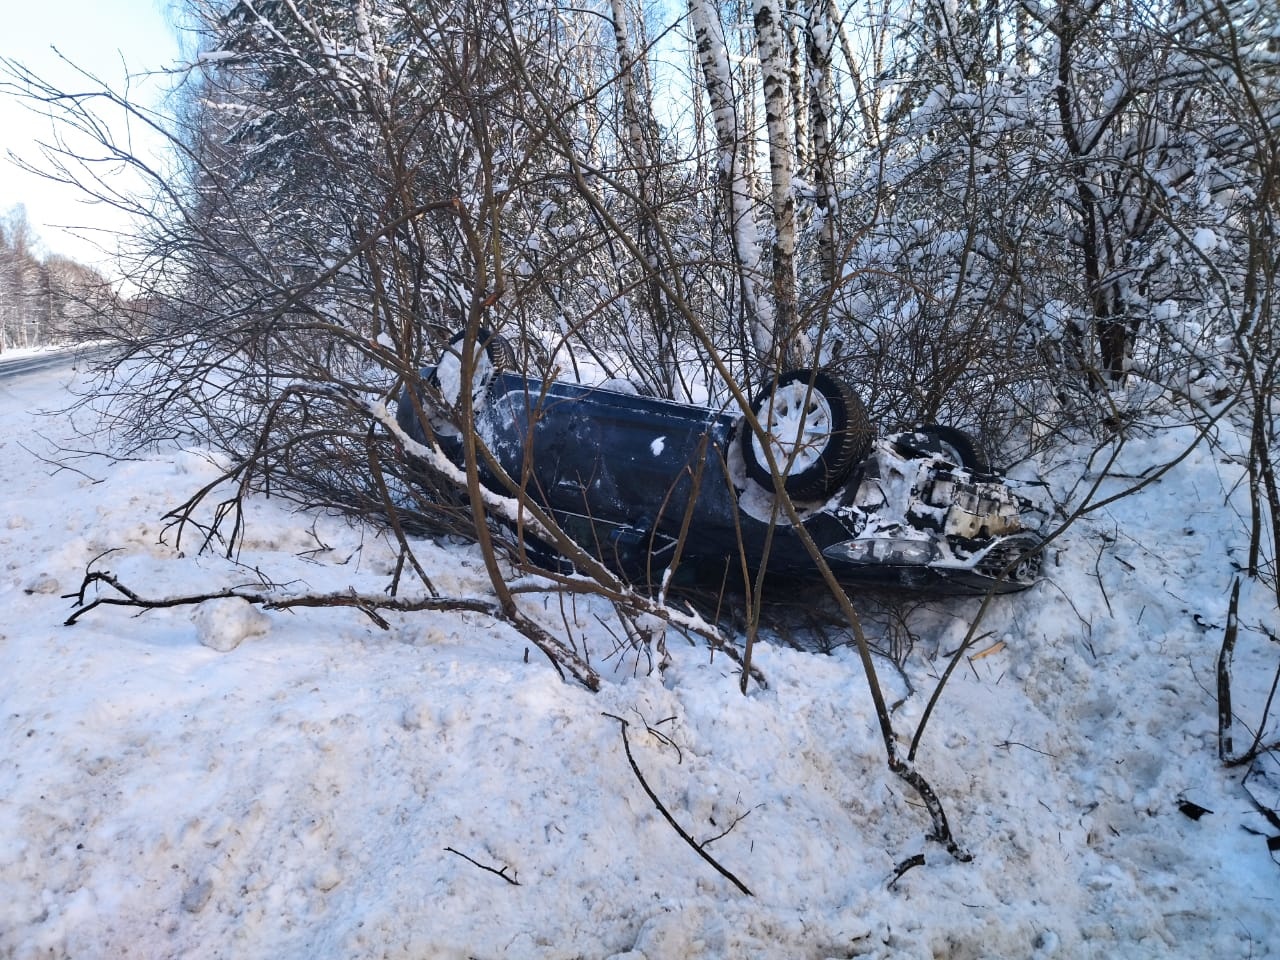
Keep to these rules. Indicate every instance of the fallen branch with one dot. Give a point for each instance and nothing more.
(561, 657)
(501, 873)
(1225, 657)
(368, 605)
(698, 848)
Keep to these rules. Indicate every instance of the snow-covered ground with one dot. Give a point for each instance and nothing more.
(15, 353)
(222, 782)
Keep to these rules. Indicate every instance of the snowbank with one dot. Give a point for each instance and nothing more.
(231, 783)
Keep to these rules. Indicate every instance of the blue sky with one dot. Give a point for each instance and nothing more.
(113, 39)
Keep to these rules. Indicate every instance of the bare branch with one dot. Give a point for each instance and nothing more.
(499, 872)
(697, 847)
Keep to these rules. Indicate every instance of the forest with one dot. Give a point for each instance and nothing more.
(44, 300)
(1014, 217)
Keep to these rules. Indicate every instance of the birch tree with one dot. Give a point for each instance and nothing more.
(819, 37)
(738, 205)
(771, 40)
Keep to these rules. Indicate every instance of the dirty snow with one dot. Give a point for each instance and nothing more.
(223, 782)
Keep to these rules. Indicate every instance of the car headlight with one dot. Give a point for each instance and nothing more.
(882, 550)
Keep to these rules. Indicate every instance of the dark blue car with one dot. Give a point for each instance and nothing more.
(630, 476)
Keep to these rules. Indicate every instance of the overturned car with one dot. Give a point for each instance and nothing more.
(642, 483)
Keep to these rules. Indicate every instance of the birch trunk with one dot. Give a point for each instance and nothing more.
(819, 39)
(771, 43)
(713, 58)
(798, 82)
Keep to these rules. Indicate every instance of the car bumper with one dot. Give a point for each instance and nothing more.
(914, 564)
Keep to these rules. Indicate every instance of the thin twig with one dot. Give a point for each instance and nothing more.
(501, 873)
(58, 465)
(1014, 743)
(727, 830)
(626, 745)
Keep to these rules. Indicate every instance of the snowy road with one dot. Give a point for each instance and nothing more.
(27, 365)
(27, 362)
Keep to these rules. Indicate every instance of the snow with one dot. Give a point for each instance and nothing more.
(220, 781)
(225, 623)
(14, 353)
(214, 56)
(1205, 240)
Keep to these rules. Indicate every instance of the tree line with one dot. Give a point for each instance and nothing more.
(991, 213)
(44, 300)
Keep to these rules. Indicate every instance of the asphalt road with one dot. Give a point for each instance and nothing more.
(20, 366)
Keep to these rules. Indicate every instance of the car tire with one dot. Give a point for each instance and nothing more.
(957, 446)
(817, 429)
(494, 357)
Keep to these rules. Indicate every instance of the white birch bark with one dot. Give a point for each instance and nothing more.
(819, 40)
(713, 58)
(796, 76)
(627, 80)
(771, 43)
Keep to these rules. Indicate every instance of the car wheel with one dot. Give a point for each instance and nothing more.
(957, 446)
(815, 427)
(493, 355)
